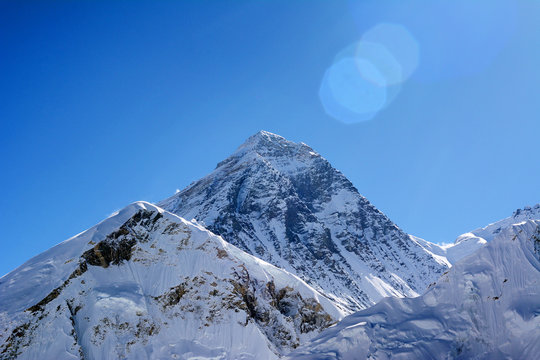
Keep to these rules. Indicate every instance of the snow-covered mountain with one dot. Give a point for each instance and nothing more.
(487, 306)
(297, 248)
(468, 243)
(147, 284)
(284, 203)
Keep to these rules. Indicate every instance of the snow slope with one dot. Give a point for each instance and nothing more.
(468, 243)
(284, 203)
(147, 284)
(485, 307)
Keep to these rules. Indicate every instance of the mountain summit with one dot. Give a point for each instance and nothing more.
(284, 203)
(266, 145)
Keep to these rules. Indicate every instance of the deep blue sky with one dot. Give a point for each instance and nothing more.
(105, 103)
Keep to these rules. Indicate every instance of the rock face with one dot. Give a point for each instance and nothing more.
(284, 203)
(146, 284)
(486, 307)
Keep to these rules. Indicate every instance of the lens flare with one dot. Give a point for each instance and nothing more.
(458, 38)
(366, 76)
(348, 94)
(382, 59)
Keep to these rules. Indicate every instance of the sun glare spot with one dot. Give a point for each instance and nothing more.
(350, 90)
(365, 77)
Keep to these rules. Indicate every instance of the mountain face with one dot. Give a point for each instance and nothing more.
(284, 203)
(147, 284)
(468, 243)
(487, 306)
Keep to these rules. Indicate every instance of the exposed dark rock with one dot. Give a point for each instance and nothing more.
(118, 246)
(173, 296)
(105, 252)
(18, 338)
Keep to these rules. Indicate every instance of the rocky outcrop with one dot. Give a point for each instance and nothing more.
(145, 279)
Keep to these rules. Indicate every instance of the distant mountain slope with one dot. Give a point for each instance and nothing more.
(468, 243)
(486, 307)
(146, 284)
(284, 203)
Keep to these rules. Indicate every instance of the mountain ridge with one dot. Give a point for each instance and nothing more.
(145, 283)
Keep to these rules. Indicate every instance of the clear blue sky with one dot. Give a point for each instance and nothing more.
(105, 103)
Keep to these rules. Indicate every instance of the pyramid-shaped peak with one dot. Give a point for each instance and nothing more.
(285, 203)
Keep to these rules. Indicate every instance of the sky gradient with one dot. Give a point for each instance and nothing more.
(106, 103)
